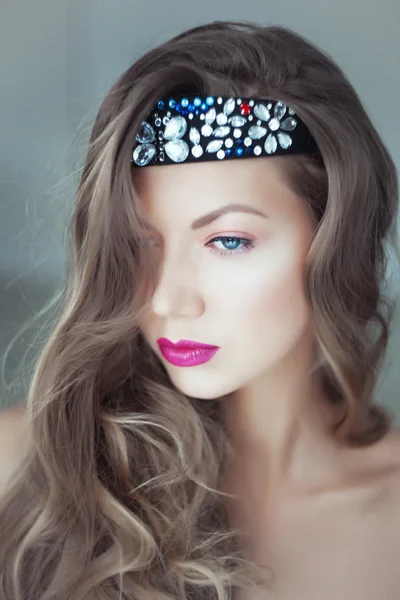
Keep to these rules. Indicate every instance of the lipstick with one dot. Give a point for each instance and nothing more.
(186, 353)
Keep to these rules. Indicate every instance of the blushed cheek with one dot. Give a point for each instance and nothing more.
(274, 309)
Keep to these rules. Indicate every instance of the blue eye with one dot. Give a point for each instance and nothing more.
(247, 244)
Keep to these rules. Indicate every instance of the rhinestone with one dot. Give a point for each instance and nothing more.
(146, 134)
(221, 131)
(184, 102)
(237, 121)
(250, 117)
(177, 150)
(190, 115)
(251, 102)
(247, 141)
(229, 142)
(210, 100)
(165, 120)
(143, 154)
(201, 116)
(270, 144)
(219, 100)
(214, 146)
(279, 110)
(194, 135)
(291, 111)
(257, 150)
(222, 119)
(157, 122)
(261, 112)
(220, 154)
(237, 133)
(197, 101)
(270, 106)
(289, 124)
(206, 130)
(229, 106)
(197, 151)
(256, 132)
(175, 128)
(210, 116)
(284, 139)
(274, 124)
(239, 101)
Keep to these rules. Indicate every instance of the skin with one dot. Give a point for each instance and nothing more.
(298, 490)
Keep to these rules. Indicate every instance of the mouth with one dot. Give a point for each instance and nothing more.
(186, 353)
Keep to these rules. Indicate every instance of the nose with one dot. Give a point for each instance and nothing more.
(177, 294)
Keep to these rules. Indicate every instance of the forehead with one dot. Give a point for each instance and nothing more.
(195, 188)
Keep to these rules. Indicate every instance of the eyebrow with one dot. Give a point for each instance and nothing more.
(215, 214)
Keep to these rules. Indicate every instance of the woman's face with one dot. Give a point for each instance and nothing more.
(247, 297)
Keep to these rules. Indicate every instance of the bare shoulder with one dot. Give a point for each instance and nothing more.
(15, 440)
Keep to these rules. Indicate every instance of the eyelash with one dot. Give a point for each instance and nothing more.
(248, 244)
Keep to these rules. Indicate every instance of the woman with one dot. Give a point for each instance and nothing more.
(257, 466)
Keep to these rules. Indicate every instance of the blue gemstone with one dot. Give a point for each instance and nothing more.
(191, 107)
(228, 151)
(197, 111)
(172, 103)
(249, 150)
(185, 111)
(178, 107)
(160, 104)
(239, 151)
(184, 102)
(238, 142)
(197, 101)
(210, 100)
(204, 106)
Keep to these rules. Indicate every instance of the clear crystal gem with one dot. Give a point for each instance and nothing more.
(247, 141)
(270, 144)
(274, 124)
(237, 121)
(220, 154)
(222, 119)
(256, 132)
(146, 134)
(143, 154)
(261, 112)
(175, 128)
(214, 146)
(206, 130)
(279, 110)
(221, 131)
(177, 150)
(194, 135)
(229, 142)
(197, 151)
(284, 139)
(257, 150)
(210, 116)
(229, 106)
(289, 124)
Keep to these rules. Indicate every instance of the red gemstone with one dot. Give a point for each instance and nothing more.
(245, 108)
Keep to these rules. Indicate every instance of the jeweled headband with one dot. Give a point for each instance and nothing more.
(192, 129)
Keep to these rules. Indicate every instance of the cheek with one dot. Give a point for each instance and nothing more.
(270, 302)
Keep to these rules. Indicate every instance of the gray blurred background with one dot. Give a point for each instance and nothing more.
(59, 57)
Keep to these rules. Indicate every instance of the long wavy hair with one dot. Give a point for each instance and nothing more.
(119, 496)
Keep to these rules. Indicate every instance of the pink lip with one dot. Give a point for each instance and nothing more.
(186, 353)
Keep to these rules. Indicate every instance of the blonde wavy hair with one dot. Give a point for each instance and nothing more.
(119, 497)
